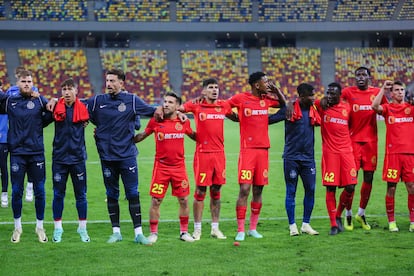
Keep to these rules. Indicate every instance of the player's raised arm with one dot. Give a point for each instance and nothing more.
(376, 103)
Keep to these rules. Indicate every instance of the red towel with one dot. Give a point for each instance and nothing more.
(80, 113)
(314, 116)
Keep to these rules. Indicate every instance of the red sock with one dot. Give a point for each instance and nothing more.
(365, 194)
(255, 212)
(153, 225)
(389, 207)
(348, 204)
(331, 206)
(241, 217)
(411, 206)
(183, 224)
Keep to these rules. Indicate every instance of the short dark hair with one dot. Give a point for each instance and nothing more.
(19, 69)
(255, 77)
(68, 82)
(118, 72)
(206, 82)
(305, 89)
(24, 73)
(174, 95)
(363, 68)
(397, 82)
(337, 85)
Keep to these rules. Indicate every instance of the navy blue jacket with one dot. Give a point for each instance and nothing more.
(115, 120)
(25, 136)
(299, 136)
(69, 141)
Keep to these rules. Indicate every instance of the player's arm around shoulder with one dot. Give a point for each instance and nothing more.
(147, 132)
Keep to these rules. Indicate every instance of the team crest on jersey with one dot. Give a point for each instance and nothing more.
(247, 112)
(355, 108)
(218, 108)
(184, 184)
(353, 172)
(374, 159)
(326, 118)
(265, 173)
(160, 136)
(57, 177)
(15, 167)
(262, 103)
(202, 116)
(391, 120)
(407, 110)
(344, 112)
(30, 105)
(178, 126)
(122, 107)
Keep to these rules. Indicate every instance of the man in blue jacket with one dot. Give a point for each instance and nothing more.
(114, 114)
(26, 147)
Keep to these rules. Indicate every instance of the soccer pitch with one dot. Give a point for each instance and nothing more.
(349, 253)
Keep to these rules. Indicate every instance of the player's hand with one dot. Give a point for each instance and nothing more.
(159, 114)
(324, 103)
(388, 85)
(50, 106)
(182, 116)
(35, 94)
(273, 88)
(289, 110)
(199, 99)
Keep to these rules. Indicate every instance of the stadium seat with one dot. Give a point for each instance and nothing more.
(358, 10)
(289, 67)
(58, 10)
(3, 71)
(51, 67)
(132, 10)
(292, 11)
(146, 71)
(229, 67)
(384, 63)
(214, 11)
(407, 11)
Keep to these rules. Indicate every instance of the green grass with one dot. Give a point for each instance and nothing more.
(350, 253)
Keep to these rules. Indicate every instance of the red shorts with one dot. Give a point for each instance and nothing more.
(254, 166)
(398, 166)
(209, 168)
(163, 175)
(366, 155)
(338, 169)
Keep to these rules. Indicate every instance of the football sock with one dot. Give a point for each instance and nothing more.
(135, 211)
(241, 217)
(18, 223)
(197, 225)
(116, 230)
(361, 212)
(365, 194)
(183, 224)
(39, 223)
(82, 223)
(214, 225)
(154, 226)
(348, 213)
(138, 230)
(411, 206)
(113, 210)
(255, 208)
(331, 206)
(58, 224)
(389, 207)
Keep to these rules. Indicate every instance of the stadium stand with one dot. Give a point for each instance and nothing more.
(407, 11)
(3, 71)
(214, 11)
(132, 10)
(2, 11)
(229, 67)
(51, 67)
(359, 10)
(48, 10)
(384, 63)
(292, 11)
(291, 66)
(146, 71)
